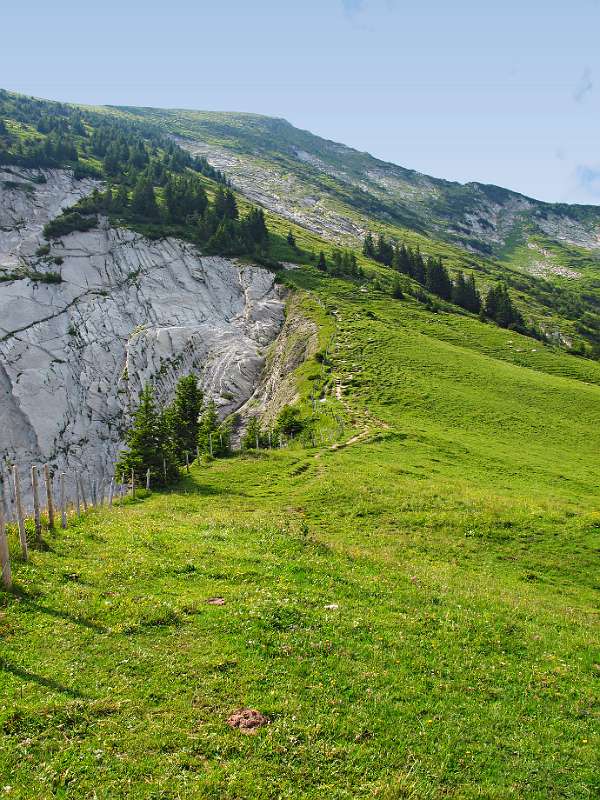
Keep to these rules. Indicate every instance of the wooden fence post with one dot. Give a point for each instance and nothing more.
(36, 504)
(197, 453)
(165, 470)
(187, 461)
(84, 501)
(122, 486)
(210, 444)
(49, 500)
(77, 497)
(148, 478)
(4, 553)
(19, 511)
(8, 504)
(133, 484)
(111, 491)
(63, 501)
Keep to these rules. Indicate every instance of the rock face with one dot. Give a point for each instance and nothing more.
(127, 310)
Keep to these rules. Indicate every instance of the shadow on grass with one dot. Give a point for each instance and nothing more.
(31, 602)
(48, 683)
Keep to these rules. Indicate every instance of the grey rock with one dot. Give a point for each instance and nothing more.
(74, 355)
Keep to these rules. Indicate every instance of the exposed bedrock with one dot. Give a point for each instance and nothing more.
(74, 354)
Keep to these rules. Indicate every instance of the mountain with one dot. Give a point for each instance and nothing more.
(549, 253)
(397, 575)
(290, 162)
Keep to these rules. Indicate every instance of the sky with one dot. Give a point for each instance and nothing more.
(499, 92)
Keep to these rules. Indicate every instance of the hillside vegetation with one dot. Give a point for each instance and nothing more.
(411, 604)
(547, 253)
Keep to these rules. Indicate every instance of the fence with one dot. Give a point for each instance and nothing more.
(75, 496)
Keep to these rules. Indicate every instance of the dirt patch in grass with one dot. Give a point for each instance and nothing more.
(247, 720)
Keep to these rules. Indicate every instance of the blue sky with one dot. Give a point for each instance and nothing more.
(500, 92)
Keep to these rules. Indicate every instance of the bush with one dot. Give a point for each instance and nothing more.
(288, 421)
(67, 223)
(45, 277)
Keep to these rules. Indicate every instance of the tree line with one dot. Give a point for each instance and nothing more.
(432, 274)
(164, 440)
(151, 180)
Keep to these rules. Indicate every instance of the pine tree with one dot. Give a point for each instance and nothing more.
(322, 262)
(254, 437)
(224, 240)
(417, 266)
(183, 416)
(369, 246)
(437, 279)
(254, 229)
(336, 263)
(291, 240)
(384, 252)
(499, 307)
(121, 200)
(207, 430)
(143, 201)
(397, 292)
(225, 204)
(148, 445)
(401, 260)
(473, 296)
(459, 291)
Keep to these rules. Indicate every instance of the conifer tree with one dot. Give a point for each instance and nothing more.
(473, 296)
(369, 246)
(397, 292)
(499, 307)
(121, 200)
(148, 445)
(254, 437)
(291, 240)
(208, 428)
(417, 266)
(143, 201)
(322, 262)
(437, 279)
(183, 416)
(254, 229)
(384, 252)
(459, 290)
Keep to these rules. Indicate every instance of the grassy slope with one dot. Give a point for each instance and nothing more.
(457, 539)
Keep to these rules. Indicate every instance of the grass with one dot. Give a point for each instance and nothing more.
(415, 612)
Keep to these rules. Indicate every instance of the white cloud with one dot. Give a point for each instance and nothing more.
(588, 179)
(352, 7)
(584, 87)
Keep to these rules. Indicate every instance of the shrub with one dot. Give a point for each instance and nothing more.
(68, 222)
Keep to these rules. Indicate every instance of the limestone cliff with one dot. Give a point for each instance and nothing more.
(124, 310)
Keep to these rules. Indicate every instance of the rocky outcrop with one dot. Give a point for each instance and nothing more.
(297, 342)
(74, 354)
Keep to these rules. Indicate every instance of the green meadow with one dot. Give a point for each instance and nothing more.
(411, 602)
